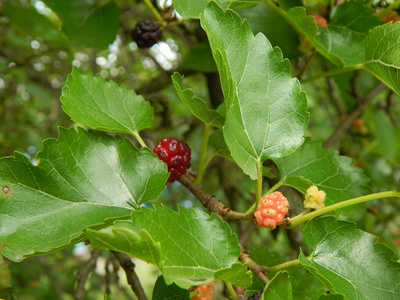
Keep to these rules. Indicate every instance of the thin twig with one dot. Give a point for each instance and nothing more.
(83, 274)
(129, 267)
(258, 270)
(349, 120)
(307, 64)
(240, 293)
(212, 203)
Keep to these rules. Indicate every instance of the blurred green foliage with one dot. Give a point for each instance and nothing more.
(36, 57)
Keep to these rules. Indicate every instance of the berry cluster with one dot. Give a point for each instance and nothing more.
(204, 292)
(271, 210)
(146, 33)
(314, 198)
(176, 154)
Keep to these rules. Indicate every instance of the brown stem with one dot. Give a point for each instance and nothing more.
(349, 120)
(212, 203)
(240, 293)
(129, 267)
(83, 274)
(258, 270)
(307, 64)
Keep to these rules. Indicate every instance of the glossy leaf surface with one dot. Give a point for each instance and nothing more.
(105, 106)
(196, 105)
(88, 23)
(178, 243)
(349, 261)
(313, 165)
(266, 112)
(82, 180)
(382, 57)
(279, 288)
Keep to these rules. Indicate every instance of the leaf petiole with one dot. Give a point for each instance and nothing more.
(231, 290)
(272, 189)
(282, 266)
(139, 139)
(303, 218)
(154, 11)
(332, 72)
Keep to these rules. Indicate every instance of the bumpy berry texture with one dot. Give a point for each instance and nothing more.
(271, 210)
(204, 292)
(176, 154)
(146, 33)
(314, 198)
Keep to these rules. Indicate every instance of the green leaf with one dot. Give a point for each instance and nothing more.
(200, 58)
(105, 106)
(237, 274)
(171, 292)
(192, 9)
(313, 165)
(304, 285)
(356, 16)
(216, 140)
(331, 297)
(382, 58)
(341, 41)
(82, 180)
(88, 23)
(266, 112)
(279, 288)
(349, 261)
(344, 43)
(306, 25)
(196, 105)
(262, 18)
(122, 238)
(5, 278)
(188, 256)
(35, 24)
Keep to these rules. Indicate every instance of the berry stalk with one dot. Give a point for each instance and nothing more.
(303, 218)
(253, 207)
(259, 180)
(389, 8)
(154, 11)
(231, 290)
